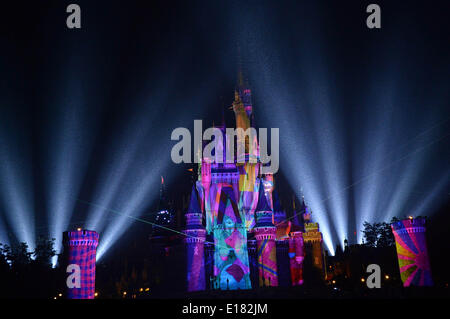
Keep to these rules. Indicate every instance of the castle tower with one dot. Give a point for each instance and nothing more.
(313, 238)
(268, 188)
(412, 252)
(205, 183)
(248, 164)
(265, 234)
(296, 256)
(229, 194)
(195, 241)
(80, 248)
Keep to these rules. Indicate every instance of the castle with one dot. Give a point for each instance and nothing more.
(237, 235)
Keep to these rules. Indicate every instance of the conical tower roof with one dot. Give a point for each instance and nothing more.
(163, 203)
(262, 206)
(194, 212)
(194, 204)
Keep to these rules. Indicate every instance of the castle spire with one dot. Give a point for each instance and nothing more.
(195, 245)
(240, 77)
(262, 206)
(194, 204)
(242, 107)
(162, 197)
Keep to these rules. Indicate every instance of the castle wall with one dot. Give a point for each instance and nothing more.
(283, 263)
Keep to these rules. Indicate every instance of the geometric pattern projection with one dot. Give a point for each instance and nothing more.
(267, 262)
(412, 252)
(196, 266)
(80, 249)
(195, 241)
(231, 268)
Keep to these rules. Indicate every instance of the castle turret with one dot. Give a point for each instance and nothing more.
(296, 256)
(412, 252)
(268, 188)
(312, 237)
(265, 234)
(206, 185)
(195, 241)
(80, 248)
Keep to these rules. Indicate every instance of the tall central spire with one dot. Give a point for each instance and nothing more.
(240, 76)
(242, 104)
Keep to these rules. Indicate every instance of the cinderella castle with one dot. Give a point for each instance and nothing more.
(237, 235)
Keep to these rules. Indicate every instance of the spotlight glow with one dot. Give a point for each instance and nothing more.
(356, 151)
(70, 144)
(16, 195)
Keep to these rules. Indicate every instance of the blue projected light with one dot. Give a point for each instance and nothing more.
(133, 206)
(357, 157)
(16, 195)
(69, 141)
(113, 175)
(4, 238)
(361, 132)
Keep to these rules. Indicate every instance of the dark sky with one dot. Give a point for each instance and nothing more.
(87, 114)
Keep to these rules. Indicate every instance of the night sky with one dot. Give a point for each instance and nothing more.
(86, 114)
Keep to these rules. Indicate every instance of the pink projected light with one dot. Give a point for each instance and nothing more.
(412, 252)
(80, 249)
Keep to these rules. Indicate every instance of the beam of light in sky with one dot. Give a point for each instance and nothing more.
(128, 181)
(140, 189)
(127, 142)
(432, 199)
(376, 136)
(307, 179)
(69, 144)
(300, 162)
(402, 194)
(131, 204)
(382, 172)
(298, 152)
(332, 153)
(117, 167)
(16, 192)
(393, 164)
(4, 238)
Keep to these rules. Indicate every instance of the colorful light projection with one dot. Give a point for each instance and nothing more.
(412, 252)
(265, 234)
(296, 257)
(195, 242)
(80, 249)
(249, 187)
(231, 266)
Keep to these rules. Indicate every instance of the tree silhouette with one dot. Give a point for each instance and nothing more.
(371, 233)
(378, 234)
(44, 251)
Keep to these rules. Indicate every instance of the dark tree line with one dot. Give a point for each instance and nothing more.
(379, 235)
(28, 274)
